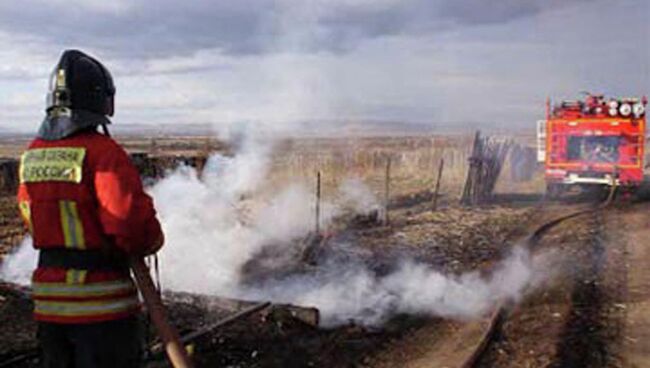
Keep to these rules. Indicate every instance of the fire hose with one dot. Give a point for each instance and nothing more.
(170, 339)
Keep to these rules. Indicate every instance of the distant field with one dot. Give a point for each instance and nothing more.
(414, 163)
(414, 160)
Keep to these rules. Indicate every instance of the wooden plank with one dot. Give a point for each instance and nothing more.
(197, 334)
(308, 315)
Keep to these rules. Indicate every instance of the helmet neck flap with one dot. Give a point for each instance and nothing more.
(59, 126)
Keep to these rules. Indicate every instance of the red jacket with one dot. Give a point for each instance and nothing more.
(83, 193)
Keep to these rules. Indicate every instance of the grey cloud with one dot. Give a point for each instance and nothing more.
(485, 12)
(148, 29)
(163, 28)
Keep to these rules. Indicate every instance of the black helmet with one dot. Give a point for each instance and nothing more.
(79, 82)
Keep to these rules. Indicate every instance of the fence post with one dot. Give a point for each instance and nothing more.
(387, 191)
(318, 194)
(437, 190)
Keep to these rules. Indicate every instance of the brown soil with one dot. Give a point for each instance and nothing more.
(628, 244)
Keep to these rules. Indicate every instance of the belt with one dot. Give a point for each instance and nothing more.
(95, 260)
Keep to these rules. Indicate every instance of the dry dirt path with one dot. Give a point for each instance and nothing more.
(552, 326)
(596, 312)
(630, 241)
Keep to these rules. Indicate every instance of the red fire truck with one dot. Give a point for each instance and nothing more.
(593, 142)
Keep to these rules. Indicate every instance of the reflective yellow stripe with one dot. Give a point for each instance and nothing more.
(75, 277)
(52, 164)
(26, 212)
(47, 289)
(72, 308)
(73, 233)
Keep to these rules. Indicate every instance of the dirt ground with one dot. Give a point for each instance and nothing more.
(593, 312)
(453, 239)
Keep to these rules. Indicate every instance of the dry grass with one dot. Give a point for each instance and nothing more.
(414, 164)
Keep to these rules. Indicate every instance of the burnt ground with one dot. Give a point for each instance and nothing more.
(453, 240)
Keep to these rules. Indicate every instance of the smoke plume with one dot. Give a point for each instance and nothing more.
(212, 234)
(357, 196)
(18, 266)
(352, 291)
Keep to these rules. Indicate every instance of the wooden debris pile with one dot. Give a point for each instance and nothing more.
(152, 167)
(155, 167)
(485, 164)
(12, 229)
(8, 175)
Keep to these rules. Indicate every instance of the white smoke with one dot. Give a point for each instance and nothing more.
(351, 291)
(357, 196)
(212, 229)
(243, 173)
(212, 233)
(18, 266)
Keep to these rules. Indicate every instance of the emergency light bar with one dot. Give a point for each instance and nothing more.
(625, 109)
(638, 109)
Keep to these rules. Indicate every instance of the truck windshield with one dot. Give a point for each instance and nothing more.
(594, 148)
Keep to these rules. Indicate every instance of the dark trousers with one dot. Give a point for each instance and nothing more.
(94, 345)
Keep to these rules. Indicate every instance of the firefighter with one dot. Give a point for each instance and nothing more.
(84, 205)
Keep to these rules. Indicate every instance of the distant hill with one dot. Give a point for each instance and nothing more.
(307, 128)
(6, 132)
(397, 128)
(162, 130)
(360, 128)
(315, 128)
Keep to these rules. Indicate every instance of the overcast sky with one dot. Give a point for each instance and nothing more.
(491, 61)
